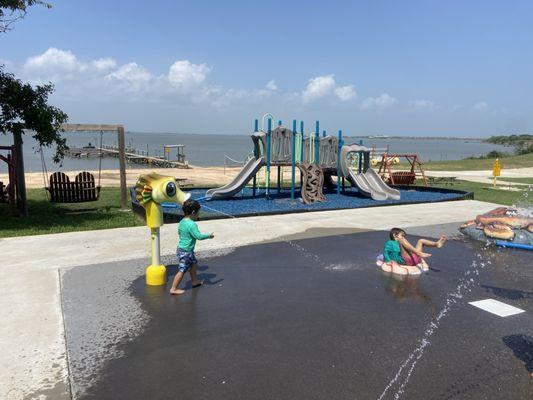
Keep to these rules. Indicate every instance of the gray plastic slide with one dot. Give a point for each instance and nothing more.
(368, 183)
(246, 173)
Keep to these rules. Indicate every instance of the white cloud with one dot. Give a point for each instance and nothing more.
(183, 75)
(185, 83)
(54, 60)
(382, 101)
(481, 106)
(104, 64)
(422, 104)
(318, 87)
(346, 93)
(271, 85)
(132, 75)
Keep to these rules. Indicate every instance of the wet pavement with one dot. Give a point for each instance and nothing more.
(305, 319)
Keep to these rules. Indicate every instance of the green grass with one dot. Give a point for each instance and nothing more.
(522, 161)
(528, 180)
(45, 217)
(483, 192)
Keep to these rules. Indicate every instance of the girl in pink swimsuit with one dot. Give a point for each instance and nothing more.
(414, 255)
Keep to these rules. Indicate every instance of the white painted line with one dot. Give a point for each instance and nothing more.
(497, 307)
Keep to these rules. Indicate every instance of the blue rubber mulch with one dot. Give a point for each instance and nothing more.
(245, 204)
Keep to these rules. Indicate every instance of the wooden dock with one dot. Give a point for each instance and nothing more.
(133, 156)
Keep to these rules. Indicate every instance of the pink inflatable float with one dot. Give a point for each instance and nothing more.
(398, 269)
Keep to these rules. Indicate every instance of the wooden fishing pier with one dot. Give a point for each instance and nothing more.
(135, 156)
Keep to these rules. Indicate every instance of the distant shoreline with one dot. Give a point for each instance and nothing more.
(478, 139)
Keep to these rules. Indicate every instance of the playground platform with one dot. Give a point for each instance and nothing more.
(245, 204)
(293, 307)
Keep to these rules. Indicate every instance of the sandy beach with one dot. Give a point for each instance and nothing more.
(197, 176)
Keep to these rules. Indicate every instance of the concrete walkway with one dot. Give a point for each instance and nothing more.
(32, 346)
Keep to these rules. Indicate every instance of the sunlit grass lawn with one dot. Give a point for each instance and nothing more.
(526, 180)
(485, 192)
(523, 161)
(45, 217)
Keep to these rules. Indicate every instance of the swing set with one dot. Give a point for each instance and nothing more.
(401, 177)
(60, 189)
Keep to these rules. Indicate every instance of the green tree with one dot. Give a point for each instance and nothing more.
(25, 107)
(13, 10)
(21, 105)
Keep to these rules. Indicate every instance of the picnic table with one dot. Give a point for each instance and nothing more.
(442, 180)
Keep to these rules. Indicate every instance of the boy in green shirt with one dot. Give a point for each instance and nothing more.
(188, 235)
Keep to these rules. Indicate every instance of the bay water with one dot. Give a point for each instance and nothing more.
(212, 150)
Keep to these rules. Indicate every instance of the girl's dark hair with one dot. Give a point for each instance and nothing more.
(190, 206)
(395, 231)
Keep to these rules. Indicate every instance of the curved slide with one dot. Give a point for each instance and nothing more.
(369, 183)
(247, 172)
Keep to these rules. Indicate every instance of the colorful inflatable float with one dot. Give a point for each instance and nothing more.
(503, 226)
(401, 269)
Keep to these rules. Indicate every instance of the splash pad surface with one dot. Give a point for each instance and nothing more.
(311, 318)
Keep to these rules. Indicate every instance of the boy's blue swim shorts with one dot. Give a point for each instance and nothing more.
(186, 259)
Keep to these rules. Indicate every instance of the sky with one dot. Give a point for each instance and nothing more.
(415, 68)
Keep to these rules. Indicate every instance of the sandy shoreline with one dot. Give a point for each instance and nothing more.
(197, 176)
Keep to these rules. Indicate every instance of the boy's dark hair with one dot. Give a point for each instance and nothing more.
(395, 231)
(190, 206)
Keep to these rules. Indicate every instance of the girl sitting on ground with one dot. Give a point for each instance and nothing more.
(400, 253)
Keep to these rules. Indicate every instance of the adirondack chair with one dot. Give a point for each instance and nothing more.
(83, 189)
(3, 193)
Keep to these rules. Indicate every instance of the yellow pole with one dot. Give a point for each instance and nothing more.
(156, 272)
(496, 171)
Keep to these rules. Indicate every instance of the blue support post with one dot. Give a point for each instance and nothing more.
(269, 132)
(361, 155)
(256, 129)
(317, 142)
(279, 123)
(302, 146)
(339, 173)
(293, 157)
(324, 133)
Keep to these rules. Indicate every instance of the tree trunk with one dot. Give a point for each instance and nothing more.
(19, 173)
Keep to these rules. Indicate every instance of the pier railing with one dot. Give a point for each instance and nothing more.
(135, 156)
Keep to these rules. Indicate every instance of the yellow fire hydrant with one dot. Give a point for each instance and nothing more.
(152, 190)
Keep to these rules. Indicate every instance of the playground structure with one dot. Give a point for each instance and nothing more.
(151, 191)
(401, 177)
(317, 157)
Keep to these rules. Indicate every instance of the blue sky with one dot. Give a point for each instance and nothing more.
(432, 68)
